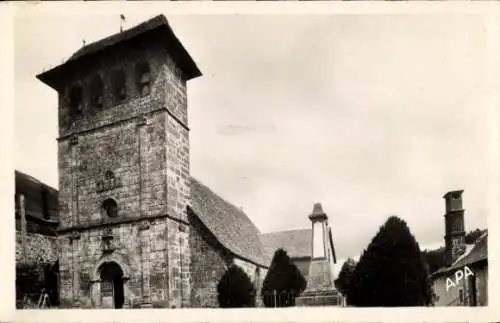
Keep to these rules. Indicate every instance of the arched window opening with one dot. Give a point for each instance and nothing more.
(96, 91)
(75, 100)
(118, 85)
(110, 207)
(143, 78)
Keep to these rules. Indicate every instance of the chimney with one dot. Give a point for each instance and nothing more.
(454, 226)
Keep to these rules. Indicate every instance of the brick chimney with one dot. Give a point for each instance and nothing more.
(454, 226)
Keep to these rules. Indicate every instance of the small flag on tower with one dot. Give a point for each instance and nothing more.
(122, 19)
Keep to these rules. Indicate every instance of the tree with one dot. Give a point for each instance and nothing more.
(283, 282)
(472, 236)
(235, 289)
(435, 258)
(345, 275)
(391, 271)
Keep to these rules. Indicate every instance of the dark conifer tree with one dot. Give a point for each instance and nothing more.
(235, 289)
(472, 236)
(391, 271)
(435, 258)
(283, 282)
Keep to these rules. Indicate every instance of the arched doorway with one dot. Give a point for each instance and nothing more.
(111, 285)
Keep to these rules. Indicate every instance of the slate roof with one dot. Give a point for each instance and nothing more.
(297, 243)
(157, 26)
(229, 224)
(32, 190)
(478, 252)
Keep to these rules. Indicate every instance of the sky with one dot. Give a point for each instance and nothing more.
(370, 115)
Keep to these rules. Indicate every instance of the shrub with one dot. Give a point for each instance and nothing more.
(235, 289)
(282, 279)
(345, 275)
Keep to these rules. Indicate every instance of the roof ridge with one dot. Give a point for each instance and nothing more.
(286, 230)
(160, 18)
(128, 30)
(34, 179)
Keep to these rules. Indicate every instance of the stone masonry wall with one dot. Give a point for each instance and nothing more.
(141, 252)
(209, 261)
(114, 138)
(146, 147)
(177, 153)
(180, 264)
(40, 249)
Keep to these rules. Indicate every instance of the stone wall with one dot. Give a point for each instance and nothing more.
(209, 261)
(40, 249)
(179, 258)
(482, 285)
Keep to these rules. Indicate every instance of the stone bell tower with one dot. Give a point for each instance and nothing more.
(454, 226)
(320, 289)
(123, 152)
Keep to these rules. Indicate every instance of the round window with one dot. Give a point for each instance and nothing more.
(110, 208)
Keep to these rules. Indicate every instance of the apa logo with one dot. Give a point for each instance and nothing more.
(459, 275)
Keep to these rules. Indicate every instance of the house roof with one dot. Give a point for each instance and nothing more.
(34, 193)
(130, 36)
(473, 254)
(229, 224)
(297, 243)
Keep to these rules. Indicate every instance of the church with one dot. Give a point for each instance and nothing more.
(134, 228)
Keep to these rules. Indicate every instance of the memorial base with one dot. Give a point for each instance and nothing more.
(319, 298)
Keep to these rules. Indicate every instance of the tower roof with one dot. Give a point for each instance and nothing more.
(456, 193)
(317, 212)
(317, 209)
(130, 36)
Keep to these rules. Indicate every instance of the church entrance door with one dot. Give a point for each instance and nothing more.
(111, 285)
